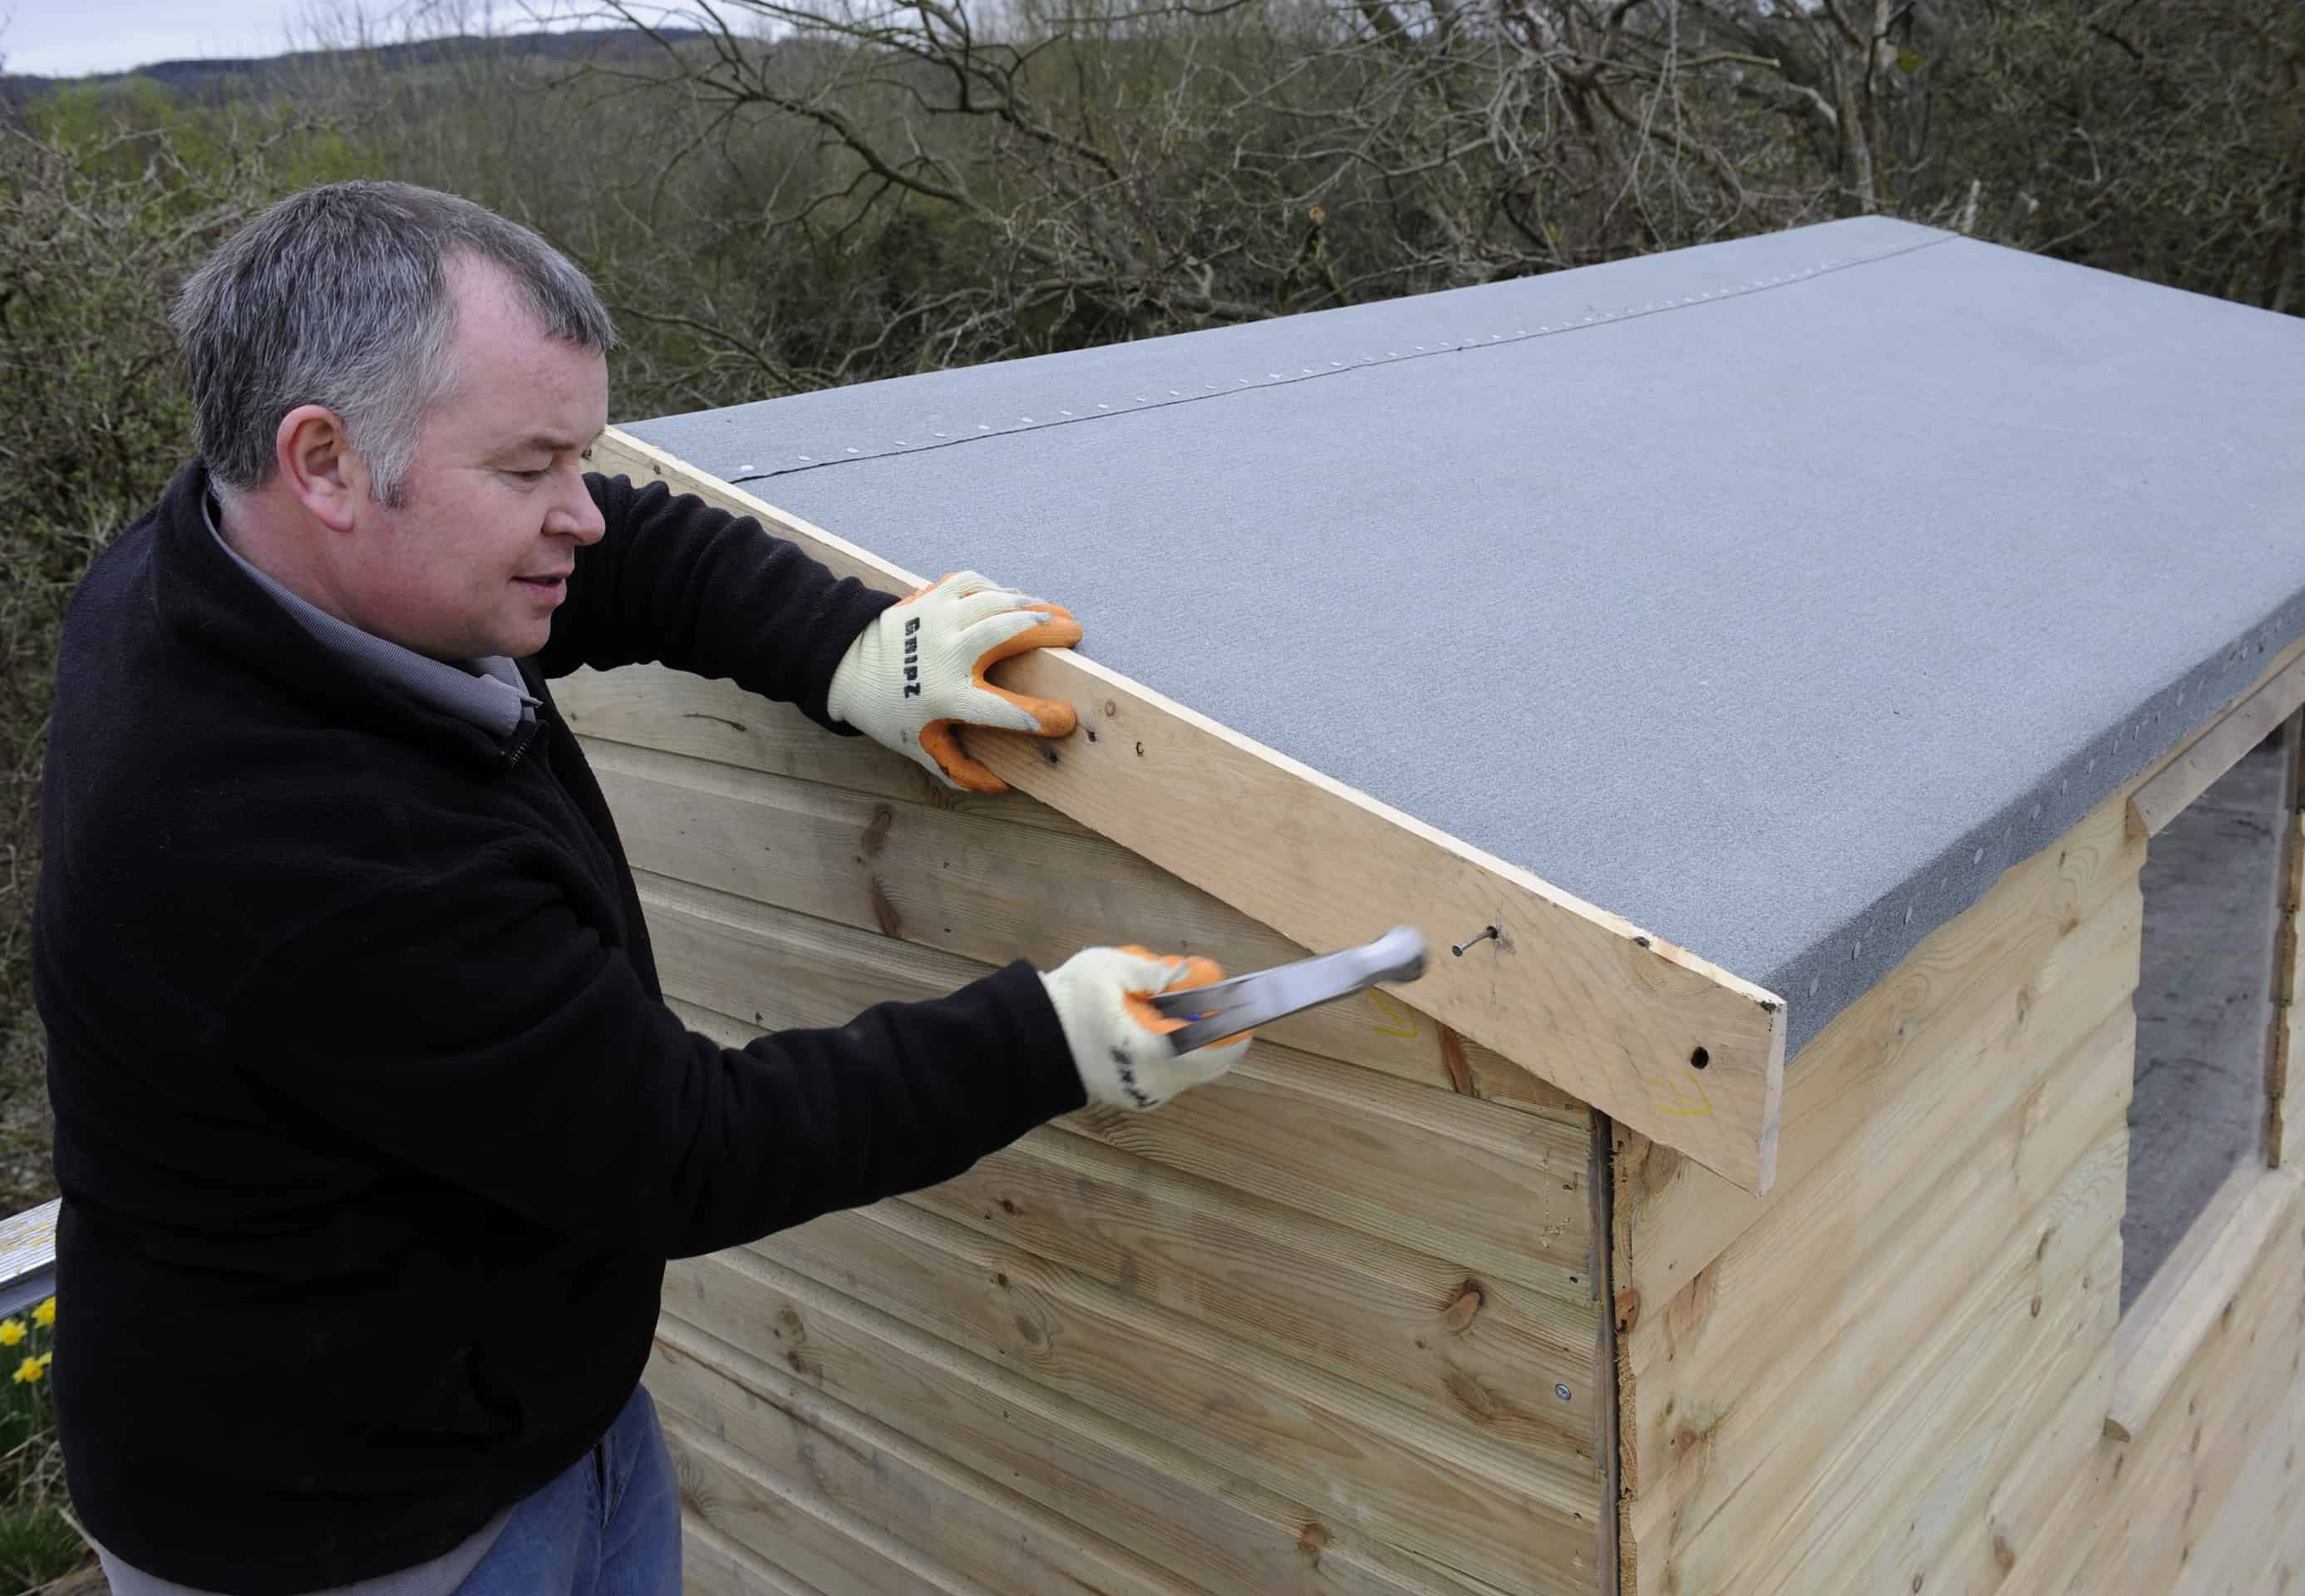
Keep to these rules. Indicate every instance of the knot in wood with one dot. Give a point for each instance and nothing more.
(1470, 1299)
(1629, 1309)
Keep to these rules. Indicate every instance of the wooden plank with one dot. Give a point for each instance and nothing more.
(1464, 1349)
(819, 975)
(2141, 1506)
(1612, 1574)
(1259, 1267)
(2288, 945)
(814, 1448)
(1486, 1189)
(1890, 1505)
(712, 1565)
(655, 706)
(1522, 1522)
(831, 1548)
(2284, 1124)
(2289, 1121)
(2156, 801)
(28, 1257)
(2192, 1290)
(1289, 1128)
(1163, 1495)
(1966, 1008)
(1614, 1015)
(1993, 1546)
(2242, 1550)
(1482, 1211)
(1757, 1427)
(2120, 1498)
(2292, 784)
(784, 959)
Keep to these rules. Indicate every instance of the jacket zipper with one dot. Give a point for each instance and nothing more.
(514, 755)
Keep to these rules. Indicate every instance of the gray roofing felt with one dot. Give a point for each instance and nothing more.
(1775, 594)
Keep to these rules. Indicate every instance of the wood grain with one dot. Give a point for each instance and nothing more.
(1520, 1522)
(1959, 1004)
(1286, 1269)
(832, 1548)
(713, 1565)
(2284, 1055)
(2256, 1544)
(1464, 1348)
(796, 1443)
(2050, 1435)
(776, 960)
(2195, 1286)
(1161, 1493)
(656, 707)
(2132, 1516)
(1787, 1461)
(1955, 1428)
(1613, 1015)
(1261, 1130)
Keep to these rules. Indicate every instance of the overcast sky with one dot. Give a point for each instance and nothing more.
(64, 38)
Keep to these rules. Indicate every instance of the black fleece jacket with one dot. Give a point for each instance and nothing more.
(372, 1129)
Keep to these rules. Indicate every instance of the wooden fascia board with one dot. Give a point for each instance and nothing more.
(2158, 800)
(1574, 993)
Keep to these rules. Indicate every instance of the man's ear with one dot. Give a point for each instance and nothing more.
(318, 464)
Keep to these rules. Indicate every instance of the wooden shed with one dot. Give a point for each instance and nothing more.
(1801, 654)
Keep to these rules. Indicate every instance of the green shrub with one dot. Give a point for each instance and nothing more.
(100, 222)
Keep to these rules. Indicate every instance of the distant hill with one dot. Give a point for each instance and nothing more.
(223, 77)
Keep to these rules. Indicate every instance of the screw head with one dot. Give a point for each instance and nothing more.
(1561, 1392)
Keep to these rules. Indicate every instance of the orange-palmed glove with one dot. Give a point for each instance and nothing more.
(1121, 1043)
(917, 673)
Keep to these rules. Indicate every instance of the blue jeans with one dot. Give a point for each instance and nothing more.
(609, 1526)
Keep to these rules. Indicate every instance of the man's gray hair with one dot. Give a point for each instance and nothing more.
(339, 296)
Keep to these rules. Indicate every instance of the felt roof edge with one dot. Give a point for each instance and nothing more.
(1834, 972)
(1677, 1047)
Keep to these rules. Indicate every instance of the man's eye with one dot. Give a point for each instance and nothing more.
(535, 476)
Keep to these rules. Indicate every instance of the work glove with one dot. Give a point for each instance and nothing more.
(1120, 1044)
(916, 672)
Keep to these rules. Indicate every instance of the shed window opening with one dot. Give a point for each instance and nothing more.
(2204, 1001)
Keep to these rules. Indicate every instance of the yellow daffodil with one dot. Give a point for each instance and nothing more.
(30, 1370)
(11, 1331)
(47, 1358)
(44, 1315)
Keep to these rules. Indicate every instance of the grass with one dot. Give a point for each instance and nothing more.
(39, 1544)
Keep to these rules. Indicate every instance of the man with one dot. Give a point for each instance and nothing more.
(373, 1131)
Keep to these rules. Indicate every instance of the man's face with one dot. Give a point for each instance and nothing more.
(475, 559)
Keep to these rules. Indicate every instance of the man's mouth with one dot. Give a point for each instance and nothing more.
(550, 584)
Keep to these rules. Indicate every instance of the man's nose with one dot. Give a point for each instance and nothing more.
(576, 516)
